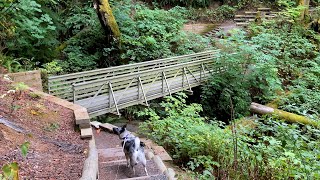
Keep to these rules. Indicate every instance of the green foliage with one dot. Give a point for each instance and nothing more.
(78, 60)
(52, 68)
(52, 127)
(206, 3)
(84, 48)
(10, 171)
(193, 3)
(286, 3)
(295, 53)
(265, 148)
(11, 64)
(213, 15)
(32, 32)
(251, 75)
(33, 29)
(305, 91)
(24, 148)
(151, 34)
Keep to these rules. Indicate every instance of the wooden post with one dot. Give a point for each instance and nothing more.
(74, 94)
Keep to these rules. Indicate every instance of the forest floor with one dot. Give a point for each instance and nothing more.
(56, 150)
(203, 28)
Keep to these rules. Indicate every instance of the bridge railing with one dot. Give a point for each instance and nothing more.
(110, 94)
(61, 86)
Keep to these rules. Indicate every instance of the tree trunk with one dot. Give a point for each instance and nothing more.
(305, 11)
(290, 117)
(107, 19)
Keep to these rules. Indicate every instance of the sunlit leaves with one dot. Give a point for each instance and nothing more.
(24, 148)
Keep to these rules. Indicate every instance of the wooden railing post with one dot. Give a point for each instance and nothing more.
(74, 94)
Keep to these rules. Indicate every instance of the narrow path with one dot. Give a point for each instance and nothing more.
(222, 29)
(112, 162)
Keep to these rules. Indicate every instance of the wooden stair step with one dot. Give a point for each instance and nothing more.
(107, 126)
(162, 153)
(121, 171)
(240, 19)
(264, 9)
(138, 178)
(251, 12)
(244, 16)
(86, 133)
(111, 152)
(242, 24)
(154, 177)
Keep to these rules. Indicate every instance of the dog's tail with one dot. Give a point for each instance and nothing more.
(136, 143)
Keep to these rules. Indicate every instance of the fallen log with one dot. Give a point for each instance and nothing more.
(290, 117)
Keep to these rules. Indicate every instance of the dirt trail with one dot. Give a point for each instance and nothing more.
(227, 26)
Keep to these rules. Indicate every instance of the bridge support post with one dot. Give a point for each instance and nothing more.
(114, 98)
(201, 72)
(144, 95)
(183, 77)
(165, 78)
(185, 74)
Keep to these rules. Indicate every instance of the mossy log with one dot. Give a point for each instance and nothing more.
(107, 19)
(290, 117)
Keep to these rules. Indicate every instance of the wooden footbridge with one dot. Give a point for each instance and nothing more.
(108, 90)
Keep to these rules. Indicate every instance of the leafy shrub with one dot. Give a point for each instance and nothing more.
(77, 60)
(264, 149)
(251, 75)
(84, 49)
(151, 34)
(33, 34)
(9, 63)
(213, 15)
(193, 3)
(305, 91)
(294, 51)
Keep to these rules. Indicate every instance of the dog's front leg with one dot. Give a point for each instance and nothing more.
(134, 171)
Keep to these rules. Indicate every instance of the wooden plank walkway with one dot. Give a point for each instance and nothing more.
(134, 84)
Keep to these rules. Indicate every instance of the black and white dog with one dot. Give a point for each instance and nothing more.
(132, 148)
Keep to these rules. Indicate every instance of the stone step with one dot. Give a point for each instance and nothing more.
(114, 162)
(110, 154)
(121, 171)
(156, 177)
(242, 24)
(86, 133)
(162, 153)
(251, 12)
(244, 16)
(107, 126)
(240, 19)
(138, 178)
(269, 16)
(264, 9)
(106, 140)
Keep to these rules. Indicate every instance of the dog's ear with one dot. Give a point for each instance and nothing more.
(124, 126)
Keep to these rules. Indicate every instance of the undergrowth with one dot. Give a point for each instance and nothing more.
(266, 148)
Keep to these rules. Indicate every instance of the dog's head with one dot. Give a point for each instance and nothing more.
(121, 131)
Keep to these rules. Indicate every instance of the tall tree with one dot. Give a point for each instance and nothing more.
(107, 19)
(305, 11)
